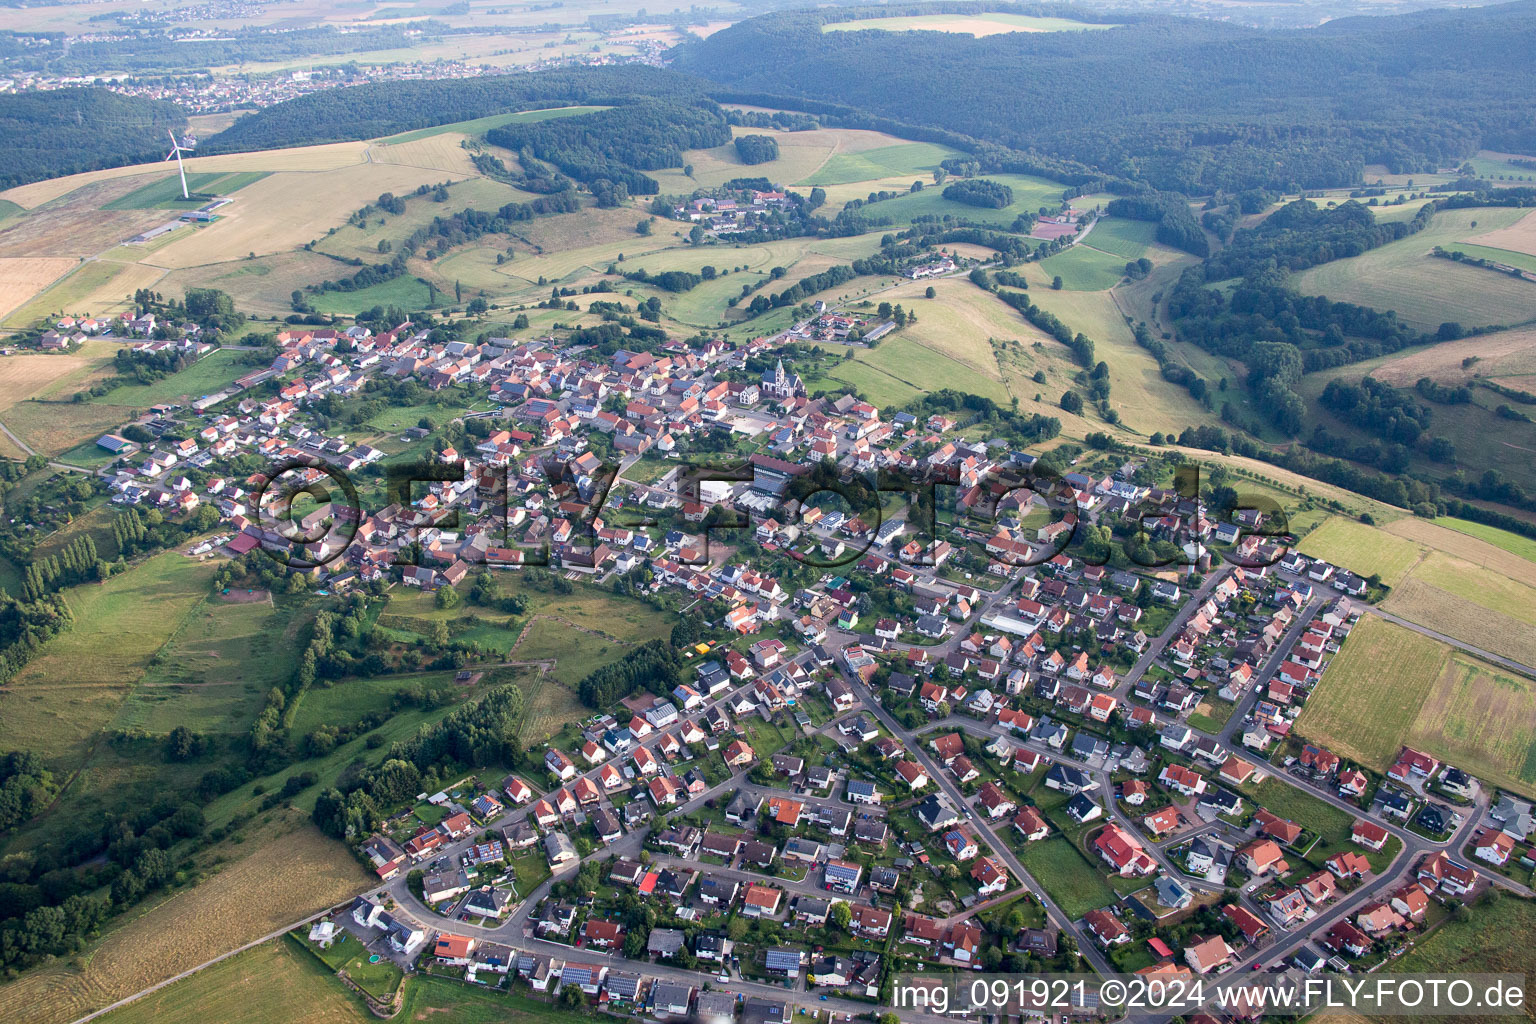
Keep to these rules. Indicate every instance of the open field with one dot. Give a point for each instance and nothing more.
(204, 377)
(1083, 268)
(29, 375)
(992, 23)
(1390, 686)
(262, 285)
(215, 672)
(21, 278)
(1069, 879)
(165, 194)
(1518, 237)
(1483, 720)
(801, 157)
(1118, 236)
(1364, 550)
(550, 706)
(405, 291)
(1426, 291)
(55, 427)
(69, 295)
(1504, 354)
(1525, 261)
(1497, 938)
(273, 982)
(1146, 401)
(1471, 605)
(576, 654)
(301, 158)
(76, 686)
(288, 208)
(1376, 686)
(1486, 537)
(919, 159)
(351, 242)
(291, 871)
(1029, 194)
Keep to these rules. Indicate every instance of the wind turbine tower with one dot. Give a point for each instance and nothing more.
(176, 150)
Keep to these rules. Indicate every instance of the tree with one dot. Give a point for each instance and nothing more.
(930, 293)
(644, 227)
(447, 597)
(1072, 402)
(1056, 282)
(182, 744)
(840, 915)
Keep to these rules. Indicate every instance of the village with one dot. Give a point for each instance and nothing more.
(898, 726)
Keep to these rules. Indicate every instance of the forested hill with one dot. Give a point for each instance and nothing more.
(1187, 105)
(370, 111)
(65, 131)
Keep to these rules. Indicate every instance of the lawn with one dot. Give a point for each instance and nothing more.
(1029, 194)
(1075, 885)
(1290, 802)
(1525, 261)
(1084, 269)
(1362, 549)
(1211, 715)
(209, 374)
(405, 291)
(576, 654)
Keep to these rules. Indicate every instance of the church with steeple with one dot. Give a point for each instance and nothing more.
(780, 384)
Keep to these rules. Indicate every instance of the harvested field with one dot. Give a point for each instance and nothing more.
(25, 376)
(55, 427)
(1483, 720)
(1481, 545)
(1517, 237)
(284, 878)
(1471, 622)
(76, 224)
(1507, 353)
(1373, 692)
(289, 208)
(23, 277)
(262, 285)
(1363, 550)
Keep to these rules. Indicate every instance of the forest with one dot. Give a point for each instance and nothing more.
(386, 108)
(616, 145)
(1192, 106)
(66, 131)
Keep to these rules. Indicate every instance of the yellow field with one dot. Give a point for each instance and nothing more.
(435, 152)
(801, 154)
(1362, 549)
(1373, 691)
(1482, 720)
(23, 277)
(1146, 401)
(1505, 354)
(289, 208)
(25, 376)
(262, 285)
(1466, 548)
(1518, 237)
(1466, 618)
(302, 158)
(282, 879)
(55, 427)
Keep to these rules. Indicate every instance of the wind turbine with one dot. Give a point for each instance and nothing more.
(176, 150)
